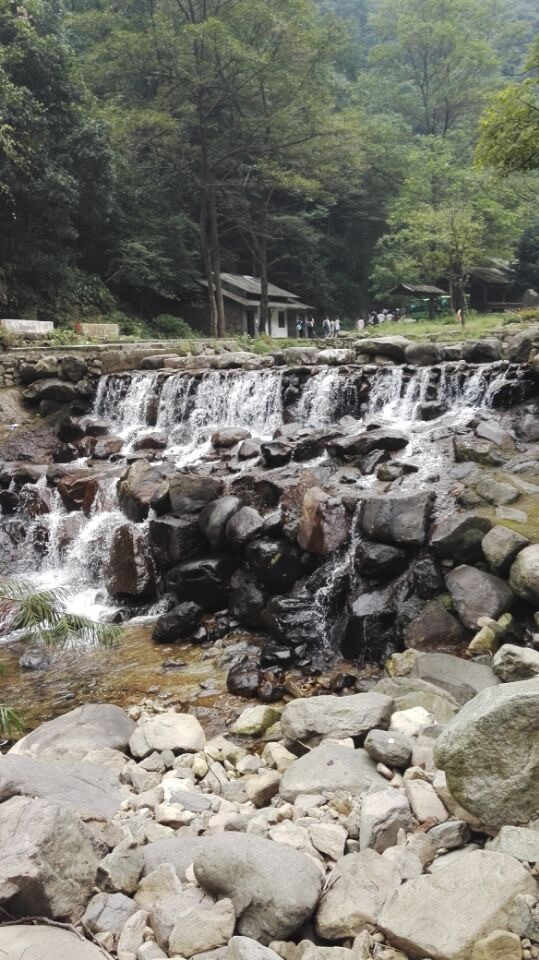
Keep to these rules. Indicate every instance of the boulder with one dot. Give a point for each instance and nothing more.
(214, 518)
(178, 623)
(463, 679)
(434, 629)
(142, 487)
(423, 354)
(388, 747)
(324, 524)
(190, 492)
(94, 726)
(336, 717)
(300, 356)
(499, 945)
(108, 913)
(490, 757)
(400, 520)
(410, 692)
(329, 768)
(78, 491)
(383, 814)
(51, 388)
(334, 358)
(478, 451)
(246, 600)
(120, 870)
(243, 526)
(392, 347)
(379, 561)
(244, 948)
(151, 441)
(49, 860)
(490, 430)
(487, 350)
(179, 851)
(524, 575)
(72, 368)
(201, 927)
(477, 594)
(175, 539)
(45, 943)
(442, 915)
(459, 537)
(276, 564)
(519, 842)
(250, 871)
(92, 792)
(179, 732)
(205, 581)
(355, 893)
(424, 801)
(229, 437)
(516, 663)
(276, 453)
(128, 568)
(496, 492)
(362, 444)
(501, 545)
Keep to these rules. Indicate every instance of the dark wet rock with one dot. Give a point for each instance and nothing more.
(380, 561)
(175, 539)
(478, 451)
(35, 501)
(129, 568)
(246, 599)
(478, 594)
(276, 563)
(431, 410)
(151, 441)
(369, 634)
(70, 430)
(243, 525)
(72, 368)
(364, 443)
(229, 437)
(423, 354)
(190, 492)
(178, 623)
(397, 519)
(427, 577)
(324, 525)
(501, 545)
(9, 501)
(243, 680)
(214, 518)
(528, 427)
(276, 453)
(21, 472)
(459, 537)
(248, 449)
(78, 491)
(434, 629)
(482, 351)
(372, 461)
(290, 620)
(51, 389)
(142, 487)
(96, 428)
(206, 581)
(65, 453)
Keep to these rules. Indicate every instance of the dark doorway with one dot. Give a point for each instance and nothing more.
(251, 323)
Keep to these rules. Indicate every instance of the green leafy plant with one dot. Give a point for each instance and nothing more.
(10, 722)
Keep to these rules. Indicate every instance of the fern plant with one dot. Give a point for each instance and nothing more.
(41, 618)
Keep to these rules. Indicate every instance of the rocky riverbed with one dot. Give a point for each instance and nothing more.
(346, 539)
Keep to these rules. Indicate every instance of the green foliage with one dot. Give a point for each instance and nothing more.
(170, 327)
(509, 138)
(10, 722)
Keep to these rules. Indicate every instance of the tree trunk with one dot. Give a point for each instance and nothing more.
(263, 325)
(206, 256)
(216, 265)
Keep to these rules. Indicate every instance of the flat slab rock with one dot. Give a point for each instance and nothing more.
(335, 716)
(328, 768)
(90, 791)
(93, 726)
(45, 943)
(444, 914)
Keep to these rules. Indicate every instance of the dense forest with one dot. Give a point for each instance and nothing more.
(336, 146)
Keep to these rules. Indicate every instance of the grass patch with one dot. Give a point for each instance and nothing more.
(478, 326)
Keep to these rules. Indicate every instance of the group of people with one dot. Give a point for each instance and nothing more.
(305, 327)
(331, 328)
(383, 316)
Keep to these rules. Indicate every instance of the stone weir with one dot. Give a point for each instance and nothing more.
(337, 506)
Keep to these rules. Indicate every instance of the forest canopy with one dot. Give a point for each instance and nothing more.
(335, 146)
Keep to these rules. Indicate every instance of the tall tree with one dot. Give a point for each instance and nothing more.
(509, 138)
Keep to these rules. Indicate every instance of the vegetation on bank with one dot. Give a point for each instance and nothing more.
(145, 147)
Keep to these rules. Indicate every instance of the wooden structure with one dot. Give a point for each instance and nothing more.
(242, 294)
(420, 291)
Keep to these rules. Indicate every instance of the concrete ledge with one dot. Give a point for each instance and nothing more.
(98, 331)
(27, 328)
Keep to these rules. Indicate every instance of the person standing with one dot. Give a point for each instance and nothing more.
(311, 332)
(326, 327)
(299, 326)
(332, 328)
(337, 327)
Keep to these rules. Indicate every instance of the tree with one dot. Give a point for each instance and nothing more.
(509, 139)
(446, 219)
(40, 618)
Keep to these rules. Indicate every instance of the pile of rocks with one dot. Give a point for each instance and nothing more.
(333, 828)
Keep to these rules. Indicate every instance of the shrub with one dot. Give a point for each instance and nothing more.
(168, 327)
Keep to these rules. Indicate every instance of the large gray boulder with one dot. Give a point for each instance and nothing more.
(90, 791)
(490, 754)
(93, 726)
(179, 851)
(167, 731)
(392, 347)
(423, 354)
(478, 594)
(383, 814)
(519, 842)
(244, 948)
(108, 913)
(49, 860)
(442, 915)
(274, 889)
(336, 717)
(45, 943)
(463, 679)
(501, 546)
(397, 519)
(516, 663)
(354, 895)
(328, 768)
(524, 575)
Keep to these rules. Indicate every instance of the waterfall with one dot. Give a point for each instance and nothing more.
(126, 403)
(385, 390)
(319, 397)
(173, 402)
